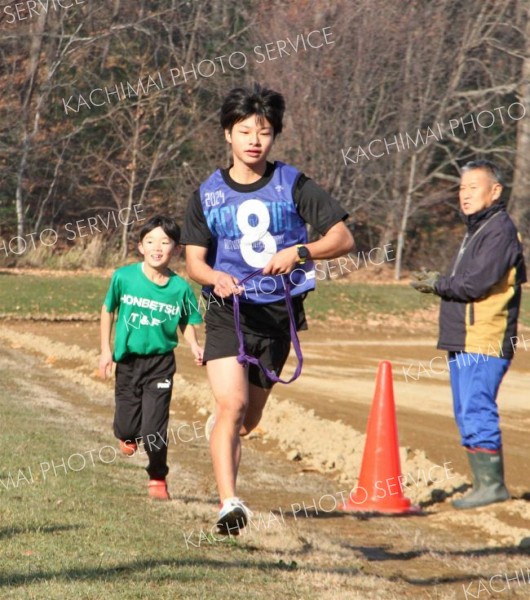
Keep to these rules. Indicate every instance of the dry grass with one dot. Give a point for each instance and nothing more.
(85, 253)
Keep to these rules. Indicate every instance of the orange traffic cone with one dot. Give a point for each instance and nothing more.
(380, 482)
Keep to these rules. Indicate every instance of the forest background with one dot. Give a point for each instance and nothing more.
(109, 114)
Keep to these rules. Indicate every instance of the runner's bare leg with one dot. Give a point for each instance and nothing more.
(235, 416)
(257, 400)
(228, 380)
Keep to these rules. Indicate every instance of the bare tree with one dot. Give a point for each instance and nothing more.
(381, 114)
(384, 129)
(521, 179)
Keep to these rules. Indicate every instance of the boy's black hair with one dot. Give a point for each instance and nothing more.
(488, 166)
(242, 103)
(169, 226)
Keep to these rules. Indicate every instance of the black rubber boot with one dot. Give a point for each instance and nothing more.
(488, 480)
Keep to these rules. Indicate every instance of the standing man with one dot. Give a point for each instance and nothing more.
(481, 296)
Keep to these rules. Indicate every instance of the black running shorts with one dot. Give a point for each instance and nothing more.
(272, 352)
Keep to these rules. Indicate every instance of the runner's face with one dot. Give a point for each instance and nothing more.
(478, 190)
(156, 248)
(251, 141)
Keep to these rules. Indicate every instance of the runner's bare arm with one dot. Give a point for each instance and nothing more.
(105, 359)
(223, 284)
(337, 241)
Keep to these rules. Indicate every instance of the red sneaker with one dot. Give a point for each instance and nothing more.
(158, 489)
(128, 448)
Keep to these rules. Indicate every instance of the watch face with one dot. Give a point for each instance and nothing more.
(303, 252)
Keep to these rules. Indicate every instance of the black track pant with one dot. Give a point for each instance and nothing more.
(143, 394)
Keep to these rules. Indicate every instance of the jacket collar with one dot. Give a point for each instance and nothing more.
(475, 220)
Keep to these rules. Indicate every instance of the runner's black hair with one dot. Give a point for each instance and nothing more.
(242, 103)
(169, 227)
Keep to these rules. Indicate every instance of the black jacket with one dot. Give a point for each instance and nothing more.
(481, 294)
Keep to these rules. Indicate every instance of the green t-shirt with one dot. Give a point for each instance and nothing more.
(148, 314)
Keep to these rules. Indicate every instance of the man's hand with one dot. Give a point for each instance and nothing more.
(283, 262)
(425, 281)
(225, 285)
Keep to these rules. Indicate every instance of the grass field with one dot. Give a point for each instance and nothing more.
(26, 295)
(73, 528)
(60, 296)
(74, 532)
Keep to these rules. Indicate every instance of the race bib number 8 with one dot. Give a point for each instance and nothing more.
(256, 232)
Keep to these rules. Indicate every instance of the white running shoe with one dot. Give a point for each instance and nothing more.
(209, 426)
(233, 516)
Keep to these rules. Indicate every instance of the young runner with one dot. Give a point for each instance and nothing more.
(152, 302)
(253, 216)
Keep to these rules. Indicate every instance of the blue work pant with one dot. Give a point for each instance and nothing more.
(475, 382)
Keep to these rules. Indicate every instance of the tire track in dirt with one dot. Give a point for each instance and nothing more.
(326, 446)
(379, 557)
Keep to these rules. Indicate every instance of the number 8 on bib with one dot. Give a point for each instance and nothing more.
(257, 233)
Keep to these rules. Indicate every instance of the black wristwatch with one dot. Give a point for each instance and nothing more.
(303, 253)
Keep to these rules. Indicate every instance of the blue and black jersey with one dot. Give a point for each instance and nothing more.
(249, 227)
(242, 225)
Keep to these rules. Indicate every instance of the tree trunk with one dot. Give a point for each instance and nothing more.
(29, 131)
(520, 196)
(404, 219)
(132, 179)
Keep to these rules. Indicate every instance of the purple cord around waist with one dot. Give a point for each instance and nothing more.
(244, 359)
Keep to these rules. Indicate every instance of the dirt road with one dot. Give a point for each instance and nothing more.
(308, 450)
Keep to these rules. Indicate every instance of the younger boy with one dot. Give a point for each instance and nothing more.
(151, 301)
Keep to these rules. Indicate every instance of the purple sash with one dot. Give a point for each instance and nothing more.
(244, 359)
